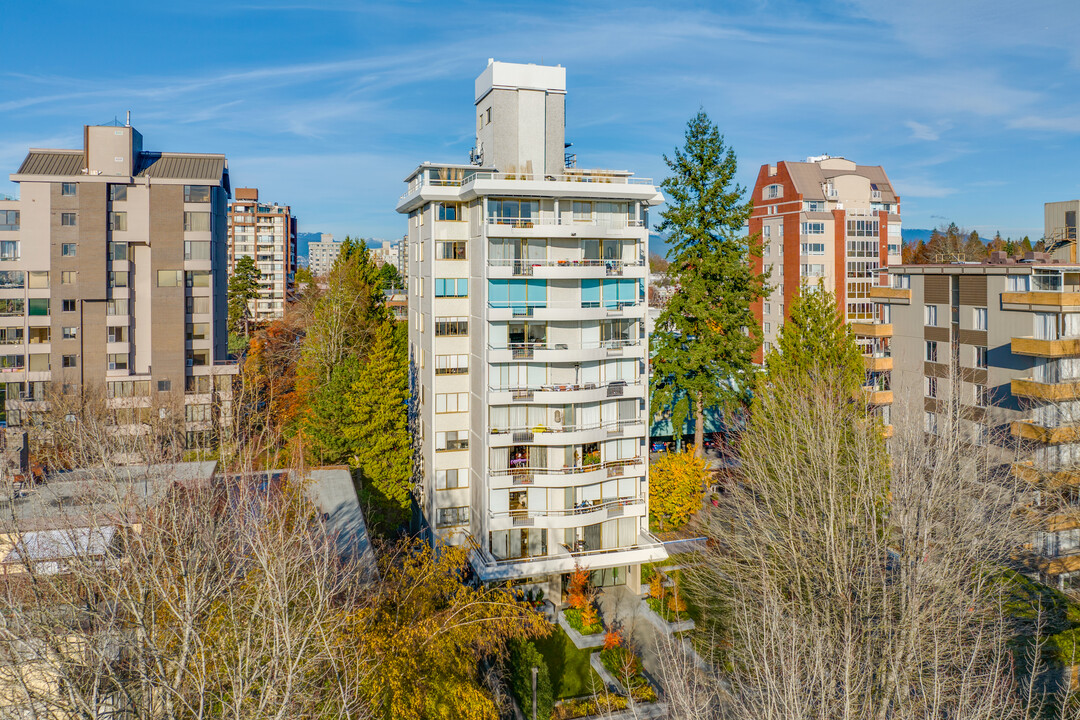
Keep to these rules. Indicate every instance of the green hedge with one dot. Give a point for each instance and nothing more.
(523, 658)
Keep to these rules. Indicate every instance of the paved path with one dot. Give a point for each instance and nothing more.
(619, 604)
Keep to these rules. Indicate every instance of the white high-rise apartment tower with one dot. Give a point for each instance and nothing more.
(528, 345)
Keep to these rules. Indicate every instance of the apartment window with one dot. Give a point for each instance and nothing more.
(37, 306)
(450, 517)
(930, 315)
(9, 220)
(12, 362)
(69, 277)
(1019, 283)
(198, 278)
(451, 287)
(118, 279)
(11, 336)
(982, 396)
(118, 220)
(582, 211)
(198, 413)
(451, 364)
(198, 358)
(452, 440)
(766, 231)
(198, 331)
(813, 228)
(980, 318)
(813, 248)
(67, 250)
(67, 219)
(9, 249)
(767, 308)
(38, 362)
(981, 356)
(452, 479)
(450, 250)
(118, 193)
(197, 305)
(813, 270)
(931, 351)
(68, 189)
(67, 305)
(767, 347)
(930, 422)
(931, 387)
(451, 326)
(862, 228)
(71, 333)
(197, 222)
(197, 384)
(118, 361)
(117, 333)
(69, 361)
(450, 211)
(768, 328)
(197, 194)
(128, 388)
(451, 402)
(119, 251)
(772, 192)
(164, 385)
(12, 279)
(170, 278)
(196, 250)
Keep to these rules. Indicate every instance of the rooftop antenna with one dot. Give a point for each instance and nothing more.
(128, 123)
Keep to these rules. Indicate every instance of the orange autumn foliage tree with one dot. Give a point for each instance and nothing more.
(676, 488)
(427, 631)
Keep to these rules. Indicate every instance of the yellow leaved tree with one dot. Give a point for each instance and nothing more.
(676, 488)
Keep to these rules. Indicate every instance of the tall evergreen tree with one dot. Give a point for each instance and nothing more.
(243, 288)
(706, 337)
(379, 430)
(815, 338)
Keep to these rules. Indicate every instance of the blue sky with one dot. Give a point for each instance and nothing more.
(970, 105)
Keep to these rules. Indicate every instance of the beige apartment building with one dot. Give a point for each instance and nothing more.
(1001, 338)
(824, 219)
(322, 254)
(529, 345)
(112, 279)
(266, 233)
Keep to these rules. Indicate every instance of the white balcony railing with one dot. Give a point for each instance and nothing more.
(583, 508)
(531, 432)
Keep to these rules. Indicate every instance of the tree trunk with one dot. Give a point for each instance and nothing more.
(699, 426)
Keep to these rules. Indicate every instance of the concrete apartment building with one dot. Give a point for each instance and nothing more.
(529, 345)
(113, 278)
(1007, 334)
(322, 254)
(390, 253)
(830, 219)
(266, 233)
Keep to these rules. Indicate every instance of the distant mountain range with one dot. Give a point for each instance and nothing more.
(915, 234)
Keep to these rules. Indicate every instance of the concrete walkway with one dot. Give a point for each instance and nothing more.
(620, 605)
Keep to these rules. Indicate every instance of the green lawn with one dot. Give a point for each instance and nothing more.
(571, 674)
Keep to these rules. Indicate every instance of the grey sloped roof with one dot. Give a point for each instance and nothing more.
(52, 162)
(807, 178)
(180, 166)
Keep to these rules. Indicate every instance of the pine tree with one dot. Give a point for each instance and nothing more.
(243, 287)
(814, 338)
(378, 432)
(706, 336)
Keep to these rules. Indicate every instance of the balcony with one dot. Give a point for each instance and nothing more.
(567, 434)
(900, 296)
(878, 396)
(567, 476)
(566, 310)
(1030, 430)
(1057, 301)
(566, 393)
(1062, 347)
(872, 329)
(564, 559)
(1029, 388)
(566, 269)
(878, 362)
(586, 512)
(1028, 472)
(563, 352)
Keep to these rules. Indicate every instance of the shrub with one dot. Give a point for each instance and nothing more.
(578, 592)
(612, 639)
(621, 662)
(656, 586)
(676, 604)
(575, 619)
(582, 708)
(523, 658)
